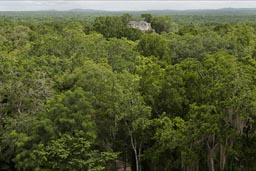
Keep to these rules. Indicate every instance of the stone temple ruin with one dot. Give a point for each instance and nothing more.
(141, 25)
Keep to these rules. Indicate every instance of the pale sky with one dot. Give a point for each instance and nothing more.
(35, 5)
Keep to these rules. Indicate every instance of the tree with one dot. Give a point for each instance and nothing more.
(168, 137)
(151, 82)
(116, 27)
(63, 138)
(161, 24)
(147, 17)
(135, 116)
(155, 45)
(121, 54)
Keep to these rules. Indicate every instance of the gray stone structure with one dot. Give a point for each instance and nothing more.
(141, 25)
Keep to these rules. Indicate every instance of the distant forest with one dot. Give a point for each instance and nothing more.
(83, 91)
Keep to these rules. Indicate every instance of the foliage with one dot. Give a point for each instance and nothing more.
(80, 92)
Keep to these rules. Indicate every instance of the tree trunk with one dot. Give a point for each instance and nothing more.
(223, 156)
(210, 156)
(136, 155)
(139, 157)
(136, 160)
(1, 125)
(210, 160)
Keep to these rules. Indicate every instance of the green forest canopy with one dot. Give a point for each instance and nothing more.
(79, 91)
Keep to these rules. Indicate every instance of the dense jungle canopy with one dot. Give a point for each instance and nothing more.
(80, 91)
